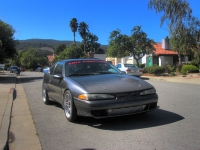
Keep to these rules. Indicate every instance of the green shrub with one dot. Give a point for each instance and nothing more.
(142, 65)
(172, 74)
(169, 69)
(145, 69)
(159, 70)
(189, 69)
(155, 69)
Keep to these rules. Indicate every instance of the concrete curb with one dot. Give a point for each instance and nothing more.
(4, 130)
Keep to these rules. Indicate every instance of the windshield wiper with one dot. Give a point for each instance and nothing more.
(106, 72)
(81, 74)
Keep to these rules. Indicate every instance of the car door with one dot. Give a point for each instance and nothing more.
(47, 80)
(56, 83)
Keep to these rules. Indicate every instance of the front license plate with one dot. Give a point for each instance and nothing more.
(128, 110)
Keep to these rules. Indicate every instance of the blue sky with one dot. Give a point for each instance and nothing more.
(49, 19)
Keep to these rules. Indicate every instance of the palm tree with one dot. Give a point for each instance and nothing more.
(92, 41)
(74, 25)
(83, 31)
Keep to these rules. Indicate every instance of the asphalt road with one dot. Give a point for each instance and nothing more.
(175, 125)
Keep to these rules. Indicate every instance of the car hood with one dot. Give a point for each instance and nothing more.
(111, 83)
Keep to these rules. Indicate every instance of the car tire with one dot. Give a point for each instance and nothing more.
(69, 107)
(45, 96)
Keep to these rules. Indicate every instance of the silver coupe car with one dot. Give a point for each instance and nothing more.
(95, 88)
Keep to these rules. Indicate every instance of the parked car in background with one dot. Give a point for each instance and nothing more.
(95, 88)
(46, 70)
(12, 69)
(39, 69)
(130, 69)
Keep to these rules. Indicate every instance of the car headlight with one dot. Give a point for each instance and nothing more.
(147, 92)
(95, 96)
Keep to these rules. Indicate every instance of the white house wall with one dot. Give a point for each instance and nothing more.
(127, 59)
(100, 56)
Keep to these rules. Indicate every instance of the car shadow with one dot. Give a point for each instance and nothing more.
(155, 118)
(7, 79)
(55, 104)
(28, 79)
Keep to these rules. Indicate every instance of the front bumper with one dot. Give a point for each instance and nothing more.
(111, 108)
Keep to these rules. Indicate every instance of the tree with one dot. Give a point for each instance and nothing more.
(59, 48)
(137, 45)
(174, 11)
(83, 30)
(72, 51)
(32, 58)
(7, 42)
(183, 27)
(91, 43)
(118, 44)
(74, 25)
(141, 45)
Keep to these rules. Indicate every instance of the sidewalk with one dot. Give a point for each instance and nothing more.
(17, 128)
(7, 94)
(189, 79)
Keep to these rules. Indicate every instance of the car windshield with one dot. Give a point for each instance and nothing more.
(89, 67)
(130, 66)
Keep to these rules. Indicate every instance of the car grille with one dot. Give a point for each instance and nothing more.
(124, 111)
(128, 110)
(127, 95)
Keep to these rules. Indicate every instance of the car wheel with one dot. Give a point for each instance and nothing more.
(45, 96)
(69, 107)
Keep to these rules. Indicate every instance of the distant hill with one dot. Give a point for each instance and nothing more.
(45, 44)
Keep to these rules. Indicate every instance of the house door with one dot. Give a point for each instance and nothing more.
(149, 61)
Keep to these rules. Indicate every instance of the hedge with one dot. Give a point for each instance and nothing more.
(155, 69)
(189, 69)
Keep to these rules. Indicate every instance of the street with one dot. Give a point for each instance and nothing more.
(175, 125)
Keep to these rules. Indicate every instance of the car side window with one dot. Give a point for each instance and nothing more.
(51, 69)
(58, 69)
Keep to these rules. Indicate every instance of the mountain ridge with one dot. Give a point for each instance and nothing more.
(45, 44)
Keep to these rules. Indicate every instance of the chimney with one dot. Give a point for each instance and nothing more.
(165, 43)
(90, 54)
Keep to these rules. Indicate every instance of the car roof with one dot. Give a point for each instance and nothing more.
(76, 59)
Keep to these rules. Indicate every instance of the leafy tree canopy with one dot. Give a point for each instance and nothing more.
(59, 48)
(83, 30)
(92, 44)
(32, 58)
(137, 45)
(141, 44)
(7, 41)
(72, 51)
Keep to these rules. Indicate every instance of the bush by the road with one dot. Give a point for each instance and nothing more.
(189, 69)
(155, 69)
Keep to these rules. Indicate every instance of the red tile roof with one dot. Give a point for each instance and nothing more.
(160, 51)
(50, 57)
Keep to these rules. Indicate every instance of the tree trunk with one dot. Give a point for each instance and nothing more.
(84, 47)
(179, 63)
(74, 38)
(137, 62)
